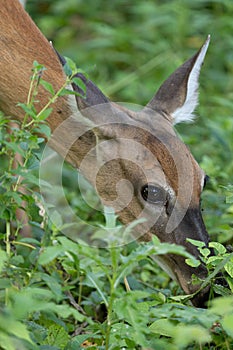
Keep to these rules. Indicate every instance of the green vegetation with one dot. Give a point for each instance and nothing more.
(58, 294)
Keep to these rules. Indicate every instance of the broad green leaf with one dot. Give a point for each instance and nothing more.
(33, 299)
(230, 283)
(77, 341)
(67, 69)
(227, 324)
(49, 254)
(9, 325)
(205, 252)
(162, 327)
(229, 267)
(45, 114)
(68, 245)
(192, 262)
(196, 243)
(43, 129)
(187, 334)
(222, 306)
(70, 67)
(213, 259)
(53, 284)
(57, 336)
(7, 342)
(218, 247)
(65, 311)
(3, 259)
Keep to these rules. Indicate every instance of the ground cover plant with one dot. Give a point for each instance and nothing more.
(59, 294)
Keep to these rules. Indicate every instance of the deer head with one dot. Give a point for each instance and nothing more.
(134, 159)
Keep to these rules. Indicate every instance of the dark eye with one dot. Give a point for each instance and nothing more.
(206, 180)
(153, 194)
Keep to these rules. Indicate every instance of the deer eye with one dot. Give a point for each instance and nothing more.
(153, 194)
(206, 180)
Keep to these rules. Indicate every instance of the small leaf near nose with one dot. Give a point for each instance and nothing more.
(153, 194)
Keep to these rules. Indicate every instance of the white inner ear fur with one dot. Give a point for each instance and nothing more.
(203, 180)
(185, 112)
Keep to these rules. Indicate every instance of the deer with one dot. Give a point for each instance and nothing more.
(145, 171)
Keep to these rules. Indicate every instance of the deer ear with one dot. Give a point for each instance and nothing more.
(178, 95)
(93, 95)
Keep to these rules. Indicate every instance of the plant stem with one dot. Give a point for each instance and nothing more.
(112, 280)
(8, 233)
(51, 101)
(8, 251)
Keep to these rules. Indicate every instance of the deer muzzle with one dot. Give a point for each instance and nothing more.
(193, 227)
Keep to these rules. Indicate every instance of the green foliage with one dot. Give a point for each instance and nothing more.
(60, 294)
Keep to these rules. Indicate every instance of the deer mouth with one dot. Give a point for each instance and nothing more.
(184, 275)
(192, 226)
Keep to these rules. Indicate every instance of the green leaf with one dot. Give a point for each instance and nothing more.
(37, 66)
(15, 147)
(213, 260)
(229, 267)
(49, 254)
(222, 306)
(96, 283)
(47, 86)
(68, 245)
(3, 259)
(6, 342)
(70, 67)
(11, 326)
(192, 262)
(44, 115)
(80, 84)
(28, 110)
(57, 336)
(205, 252)
(15, 196)
(28, 177)
(67, 69)
(218, 247)
(227, 324)
(187, 334)
(53, 284)
(196, 243)
(66, 91)
(43, 129)
(33, 299)
(79, 340)
(65, 311)
(229, 199)
(162, 327)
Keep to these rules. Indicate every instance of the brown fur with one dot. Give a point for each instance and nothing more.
(157, 155)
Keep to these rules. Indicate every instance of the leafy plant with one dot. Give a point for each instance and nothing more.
(60, 294)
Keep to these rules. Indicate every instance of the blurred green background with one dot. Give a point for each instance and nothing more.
(129, 47)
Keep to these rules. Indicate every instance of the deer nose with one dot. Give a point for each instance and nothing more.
(192, 226)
